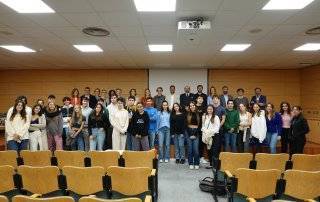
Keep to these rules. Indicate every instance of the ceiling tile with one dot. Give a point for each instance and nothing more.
(270, 17)
(112, 5)
(127, 31)
(74, 6)
(199, 4)
(233, 18)
(158, 19)
(83, 19)
(120, 18)
(49, 20)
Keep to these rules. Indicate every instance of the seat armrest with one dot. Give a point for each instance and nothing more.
(228, 173)
(36, 195)
(251, 200)
(148, 199)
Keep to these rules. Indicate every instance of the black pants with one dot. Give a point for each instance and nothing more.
(215, 149)
(108, 140)
(297, 145)
(256, 145)
(240, 143)
(285, 139)
(202, 145)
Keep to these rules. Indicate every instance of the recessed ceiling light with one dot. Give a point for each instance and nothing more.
(235, 47)
(160, 47)
(308, 47)
(88, 48)
(28, 6)
(18, 48)
(155, 5)
(286, 4)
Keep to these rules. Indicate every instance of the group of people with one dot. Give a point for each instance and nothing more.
(106, 120)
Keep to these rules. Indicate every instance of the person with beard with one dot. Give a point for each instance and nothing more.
(225, 96)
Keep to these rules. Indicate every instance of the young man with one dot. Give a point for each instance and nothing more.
(200, 93)
(152, 114)
(225, 96)
(186, 98)
(259, 98)
(132, 108)
(140, 124)
(91, 98)
(231, 127)
(86, 111)
(159, 98)
(119, 92)
(112, 108)
(172, 98)
(66, 111)
(97, 94)
(241, 99)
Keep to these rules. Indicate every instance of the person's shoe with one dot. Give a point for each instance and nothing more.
(161, 161)
(203, 161)
(177, 161)
(166, 161)
(191, 167)
(208, 167)
(182, 161)
(196, 167)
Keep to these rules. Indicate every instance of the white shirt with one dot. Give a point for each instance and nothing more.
(209, 129)
(112, 108)
(120, 120)
(17, 126)
(86, 111)
(259, 126)
(173, 98)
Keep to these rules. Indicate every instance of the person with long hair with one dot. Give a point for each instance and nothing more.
(44, 132)
(140, 125)
(133, 93)
(163, 131)
(193, 127)
(147, 94)
(131, 108)
(299, 129)
(210, 128)
(177, 130)
(86, 111)
(75, 97)
(285, 111)
(212, 93)
(16, 126)
(37, 125)
(244, 128)
(77, 122)
(66, 111)
(111, 93)
(54, 127)
(258, 127)
(274, 127)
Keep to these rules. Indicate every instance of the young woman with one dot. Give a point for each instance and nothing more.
(44, 132)
(163, 130)
(210, 128)
(286, 116)
(140, 125)
(147, 94)
(97, 124)
(131, 108)
(75, 136)
(299, 129)
(120, 122)
(16, 126)
(193, 126)
(244, 129)
(212, 93)
(201, 108)
(111, 93)
(54, 127)
(133, 93)
(75, 97)
(274, 127)
(177, 129)
(258, 127)
(37, 125)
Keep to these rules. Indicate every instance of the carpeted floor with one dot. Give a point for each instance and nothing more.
(179, 184)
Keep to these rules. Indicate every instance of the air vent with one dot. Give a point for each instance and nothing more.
(313, 31)
(96, 31)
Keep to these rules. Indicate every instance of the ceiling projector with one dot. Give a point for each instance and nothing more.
(194, 24)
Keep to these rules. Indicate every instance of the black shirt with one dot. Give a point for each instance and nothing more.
(97, 122)
(140, 124)
(76, 123)
(177, 123)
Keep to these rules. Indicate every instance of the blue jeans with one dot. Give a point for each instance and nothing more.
(230, 138)
(272, 142)
(129, 142)
(13, 145)
(164, 143)
(193, 148)
(179, 146)
(152, 137)
(80, 141)
(99, 135)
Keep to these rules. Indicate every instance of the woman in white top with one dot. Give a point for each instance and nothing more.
(37, 125)
(258, 126)
(244, 129)
(210, 127)
(17, 125)
(120, 122)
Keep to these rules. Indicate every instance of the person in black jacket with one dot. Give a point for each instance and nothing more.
(140, 126)
(92, 99)
(186, 98)
(299, 129)
(98, 122)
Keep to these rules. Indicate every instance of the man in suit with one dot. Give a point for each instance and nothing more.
(258, 98)
(92, 99)
(186, 98)
(200, 93)
(173, 97)
(225, 96)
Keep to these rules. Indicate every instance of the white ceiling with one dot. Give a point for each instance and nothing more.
(53, 35)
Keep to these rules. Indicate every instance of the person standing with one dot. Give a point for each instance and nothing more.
(66, 111)
(54, 127)
(120, 123)
(147, 94)
(75, 138)
(241, 99)
(186, 98)
(201, 108)
(112, 109)
(86, 111)
(274, 127)
(203, 95)
(299, 129)
(225, 96)
(152, 115)
(91, 98)
(258, 127)
(163, 131)
(75, 99)
(231, 126)
(37, 125)
(244, 129)
(173, 97)
(119, 92)
(258, 98)
(140, 125)
(212, 93)
(96, 95)
(133, 93)
(104, 96)
(131, 108)
(285, 111)
(159, 98)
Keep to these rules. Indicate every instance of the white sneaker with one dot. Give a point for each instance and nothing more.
(191, 167)
(161, 161)
(203, 161)
(196, 167)
(166, 161)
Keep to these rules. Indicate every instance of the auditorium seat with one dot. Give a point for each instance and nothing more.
(8, 158)
(7, 185)
(22, 198)
(306, 162)
(36, 158)
(94, 199)
(3, 199)
(266, 161)
(104, 159)
(70, 158)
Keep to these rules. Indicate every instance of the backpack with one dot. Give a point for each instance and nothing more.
(208, 184)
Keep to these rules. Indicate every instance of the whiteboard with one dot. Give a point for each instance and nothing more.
(178, 77)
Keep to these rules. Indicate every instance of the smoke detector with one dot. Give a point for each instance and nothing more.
(96, 31)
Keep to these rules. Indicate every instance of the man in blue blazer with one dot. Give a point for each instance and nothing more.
(258, 98)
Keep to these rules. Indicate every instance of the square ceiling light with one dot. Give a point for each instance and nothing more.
(308, 47)
(160, 47)
(28, 6)
(18, 48)
(235, 47)
(155, 5)
(88, 48)
(286, 4)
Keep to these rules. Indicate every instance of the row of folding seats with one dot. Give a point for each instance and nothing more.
(50, 181)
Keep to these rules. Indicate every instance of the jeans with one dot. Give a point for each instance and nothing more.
(243, 146)
(193, 148)
(97, 139)
(152, 137)
(164, 143)
(65, 132)
(80, 141)
(230, 138)
(18, 146)
(179, 146)
(129, 142)
(272, 142)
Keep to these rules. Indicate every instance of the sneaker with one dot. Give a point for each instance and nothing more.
(161, 161)
(208, 167)
(177, 161)
(196, 167)
(166, 161)
(191, 167)
(182, 161)
(203, 161)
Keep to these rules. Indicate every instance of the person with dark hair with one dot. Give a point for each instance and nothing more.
(177, 130)
(225, 96)
(91, 98)
(40, 102)
(120, 122)
(299, 129)
(140, 125)
(186, 98)
(66, 111)
(111, 93)
(16, 126)
(105, 109)
(131, 108)
(44, 137)
(112, 109)
(285, 111)
(163, 131)
(158, 99)
(241, 99)
(147, 94)
(86, 111)
(54, 127)
(231, 126)
(133, 93)
(173, 97)
(104, 96)
(37, 125)
(201, 108)
(152, 115)
(203, 95)
(96, 94)
(75, 97)
(244, 129)
(51, 98)
(119, 92)
(274, 127)
(97, 124)
(258, 98)
(258, 127)
(212, 93)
